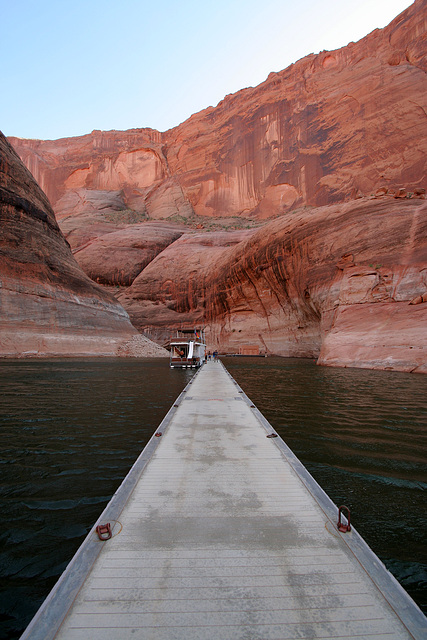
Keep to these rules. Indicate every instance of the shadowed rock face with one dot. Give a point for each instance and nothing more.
(117, 258)
(326, 128)
(334, 282)
(48, 305)
(171, 290)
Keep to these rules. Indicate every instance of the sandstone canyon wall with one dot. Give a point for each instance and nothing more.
(328, 271)
(328, 127)
(345, 283)
(48, 305)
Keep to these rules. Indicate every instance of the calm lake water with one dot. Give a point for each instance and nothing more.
(71, 429)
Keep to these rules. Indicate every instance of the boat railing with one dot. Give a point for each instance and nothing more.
(187, 335)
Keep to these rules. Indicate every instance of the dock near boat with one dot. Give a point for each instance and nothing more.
(220, 533)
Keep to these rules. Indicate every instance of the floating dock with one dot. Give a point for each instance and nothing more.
(220, 533)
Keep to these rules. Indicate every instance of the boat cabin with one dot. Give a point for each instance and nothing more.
(187, 349)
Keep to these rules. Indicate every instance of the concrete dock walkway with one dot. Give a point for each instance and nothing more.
(219, 534)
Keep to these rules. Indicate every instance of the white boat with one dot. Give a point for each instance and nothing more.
(187, 349)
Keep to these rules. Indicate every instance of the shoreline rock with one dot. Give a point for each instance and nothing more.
(141, 347)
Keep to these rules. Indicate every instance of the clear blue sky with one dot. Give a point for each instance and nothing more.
(68, 67)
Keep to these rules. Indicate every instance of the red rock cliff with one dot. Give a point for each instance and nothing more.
(48, 305)
(324, 129)
(331, 277)
(345, 283)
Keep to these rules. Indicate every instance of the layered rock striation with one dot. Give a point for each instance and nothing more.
(118, 257)
(49, 307)
(171, 291)
(327, 128)
(346, 284)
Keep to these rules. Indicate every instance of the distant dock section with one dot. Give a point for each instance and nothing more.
(220, 533)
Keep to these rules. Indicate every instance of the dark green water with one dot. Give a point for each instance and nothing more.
(71, 429)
